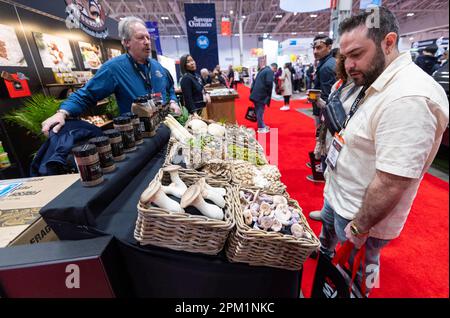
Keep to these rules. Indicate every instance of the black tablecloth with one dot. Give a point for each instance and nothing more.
(111, 209)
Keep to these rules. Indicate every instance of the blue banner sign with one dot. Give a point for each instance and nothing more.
(202, 34)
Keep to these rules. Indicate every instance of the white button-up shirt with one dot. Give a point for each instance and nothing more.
(397, 129)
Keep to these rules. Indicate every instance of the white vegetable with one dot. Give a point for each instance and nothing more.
(198, 126)
(216, 130)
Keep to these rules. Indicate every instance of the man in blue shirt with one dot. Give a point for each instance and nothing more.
(128, 76)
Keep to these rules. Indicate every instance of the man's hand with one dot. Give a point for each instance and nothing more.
(57, 121)
(359, 240)
(175, 108)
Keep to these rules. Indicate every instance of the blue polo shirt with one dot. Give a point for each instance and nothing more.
(119, 76)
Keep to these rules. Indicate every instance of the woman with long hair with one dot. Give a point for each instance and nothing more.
(192, 86)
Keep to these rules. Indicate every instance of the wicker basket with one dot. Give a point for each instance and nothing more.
(262, 248)
(183, 231)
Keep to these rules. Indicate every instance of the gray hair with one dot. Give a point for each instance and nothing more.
(125, 32)
(204, 71)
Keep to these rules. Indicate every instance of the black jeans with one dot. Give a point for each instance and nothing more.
(286, 100)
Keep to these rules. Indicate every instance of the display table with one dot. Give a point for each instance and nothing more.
(221, 108)
(111, 209)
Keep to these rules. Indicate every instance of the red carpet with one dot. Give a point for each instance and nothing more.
(414, 265)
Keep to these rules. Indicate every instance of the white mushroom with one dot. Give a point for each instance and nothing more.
(155, 194)
(276, 226)
(175, 177)
(265, 208)
(193, 196)
(221, 191)
(297, 230)
(265, 222)
(248, 218)
(211, 194)
(283, 214)
(279, 199)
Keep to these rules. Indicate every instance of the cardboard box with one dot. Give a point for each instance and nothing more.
(20, 202)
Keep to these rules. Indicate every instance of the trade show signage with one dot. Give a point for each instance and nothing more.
(202, 34)
(152, 28)
(226, 26)
(88, 16)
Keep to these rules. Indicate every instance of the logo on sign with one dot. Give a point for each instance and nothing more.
(202, 42)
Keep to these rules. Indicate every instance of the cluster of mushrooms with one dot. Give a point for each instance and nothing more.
(266, 177)
(195, 195)
(272, 213)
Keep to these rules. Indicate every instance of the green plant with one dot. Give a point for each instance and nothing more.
(35, 110)
(112, 108)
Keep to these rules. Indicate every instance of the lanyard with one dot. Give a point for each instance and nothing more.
(355, 106)
(147, 78)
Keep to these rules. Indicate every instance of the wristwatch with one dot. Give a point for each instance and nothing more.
(63, 111)
(355, 231)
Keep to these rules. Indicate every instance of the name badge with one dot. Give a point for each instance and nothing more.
(335, 149)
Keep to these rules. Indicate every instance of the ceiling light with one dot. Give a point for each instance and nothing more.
(243, 17)
(231, 11)
(313, 15)
(236, 34)
(294, 33)
(304, 5)
(320, 32)
(411, 39)
(410, 14)
(278, 16)
(176, 36)
(164, 18)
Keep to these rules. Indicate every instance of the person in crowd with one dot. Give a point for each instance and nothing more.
(276, 80)
(298, 77)
(347, 95)
(309, 76)
(206, 78)
(237, 79)
(286, 86)
(324, 78)
(217, 78)
(231, 76)
(261, 94)
(427, 61)
(194, 93)
(389, 141)
(128, 76)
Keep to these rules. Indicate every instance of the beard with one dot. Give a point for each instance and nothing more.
(377, 66)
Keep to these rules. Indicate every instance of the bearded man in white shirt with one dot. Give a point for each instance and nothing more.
(389, 141)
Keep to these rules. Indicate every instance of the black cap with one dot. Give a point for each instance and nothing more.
(112, 133)
(122, 120)
(99, 141)
(84, 150)
(130, 115)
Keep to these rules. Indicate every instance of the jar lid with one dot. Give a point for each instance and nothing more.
(112, 133)
(140, 99)
(84, 150)
(130, 115)
(99, 141)
(121, 120)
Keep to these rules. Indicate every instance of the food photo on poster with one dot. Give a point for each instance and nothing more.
(92, 55)
(10, 51)
(55, 51)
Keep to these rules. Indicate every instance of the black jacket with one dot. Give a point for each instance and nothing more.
(427, 63)
(192, 88)
(52, 157)
(261, 91)
(325, 76)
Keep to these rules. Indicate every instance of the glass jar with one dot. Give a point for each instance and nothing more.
(124, 125)
(136, 127)
(104, 153)
(115, 139)
(88, 164)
